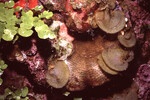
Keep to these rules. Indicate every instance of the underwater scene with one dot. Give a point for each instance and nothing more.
(74, 50)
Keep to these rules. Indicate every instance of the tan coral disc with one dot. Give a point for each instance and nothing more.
(127, 40)
(58, 74)
(105, 67)
(110, 21)
(115, 59)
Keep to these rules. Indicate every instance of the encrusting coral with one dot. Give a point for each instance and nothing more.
(82, 66)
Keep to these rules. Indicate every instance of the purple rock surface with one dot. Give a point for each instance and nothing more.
(143, 81)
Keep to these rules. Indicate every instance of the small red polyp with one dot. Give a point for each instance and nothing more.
(23, 4)
(32, 4)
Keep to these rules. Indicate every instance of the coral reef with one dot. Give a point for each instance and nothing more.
(96, 42)
(138, 17)
(143, 81)
(33, 60)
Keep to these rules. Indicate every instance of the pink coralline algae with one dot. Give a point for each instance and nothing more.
(145, 48)
(143, 82)
(35, 62)
(138, 16)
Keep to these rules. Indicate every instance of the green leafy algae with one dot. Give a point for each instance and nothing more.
(10, 25)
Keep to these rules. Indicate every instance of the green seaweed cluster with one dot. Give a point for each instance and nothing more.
(18, 94)
(3, 66)
(11, 26)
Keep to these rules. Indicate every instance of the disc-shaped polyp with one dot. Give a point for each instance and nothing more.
(110, 21)
(104, 67)
(128, 39)
(58, 74)
(115, 59)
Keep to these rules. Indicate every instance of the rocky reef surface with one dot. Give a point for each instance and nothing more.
(94, 35)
